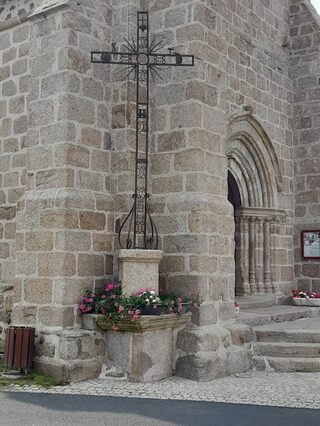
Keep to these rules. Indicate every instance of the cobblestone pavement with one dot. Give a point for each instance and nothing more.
(299, 390)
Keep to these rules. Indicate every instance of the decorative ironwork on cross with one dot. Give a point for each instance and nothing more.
(141, 58)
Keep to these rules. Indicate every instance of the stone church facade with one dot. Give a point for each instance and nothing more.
(234, 173)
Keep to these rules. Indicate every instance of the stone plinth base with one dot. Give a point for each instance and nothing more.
(70, 356)
(138, 269)
(69, 372)
(144, 349)
(214, 351)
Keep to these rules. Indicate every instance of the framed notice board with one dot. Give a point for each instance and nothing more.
(310, 244)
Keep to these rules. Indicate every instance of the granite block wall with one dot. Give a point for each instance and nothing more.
(242, 56)
(67, 150)
(56, 207)
(305, 48)
(14, 83)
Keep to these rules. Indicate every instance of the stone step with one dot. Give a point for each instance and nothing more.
(288, 336)
(275, 314)
(300, 331)
(256, 301)
(287, 365)
(287, 350)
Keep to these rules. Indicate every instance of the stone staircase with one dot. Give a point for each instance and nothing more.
(287, 338)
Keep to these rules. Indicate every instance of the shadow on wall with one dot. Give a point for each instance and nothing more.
(6, 300)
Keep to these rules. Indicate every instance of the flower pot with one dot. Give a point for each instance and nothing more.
(185, 308)
(157, 310)
(298, 301)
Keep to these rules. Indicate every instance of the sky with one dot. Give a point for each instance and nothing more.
(316, 4)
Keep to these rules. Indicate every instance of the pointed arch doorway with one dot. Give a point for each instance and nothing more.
(254, 182)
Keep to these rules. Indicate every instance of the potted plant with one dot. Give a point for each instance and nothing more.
(117, 308)
(150, 303)
(307, 298)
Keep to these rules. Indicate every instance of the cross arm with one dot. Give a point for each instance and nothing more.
(171, 59)
(114, 57)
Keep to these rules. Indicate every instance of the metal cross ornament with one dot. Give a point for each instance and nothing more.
(142, 60)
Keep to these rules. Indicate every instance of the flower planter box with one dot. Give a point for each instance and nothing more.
(143, 349)
(145, 323)
(300, 301)
(159, 309)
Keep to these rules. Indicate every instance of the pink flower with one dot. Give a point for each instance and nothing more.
(82, 307)
(103, 296)
(136, 315)
(89, 300)
(93, 294)
(111, 286)
(120, 309)
(114, 327)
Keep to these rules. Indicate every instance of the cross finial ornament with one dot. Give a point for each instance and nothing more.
(141, 59)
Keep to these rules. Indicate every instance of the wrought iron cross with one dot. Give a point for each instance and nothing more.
(141, 58)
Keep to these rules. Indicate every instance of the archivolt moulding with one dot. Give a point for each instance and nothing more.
(253, 162)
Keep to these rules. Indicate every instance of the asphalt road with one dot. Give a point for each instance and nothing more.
(27, 409)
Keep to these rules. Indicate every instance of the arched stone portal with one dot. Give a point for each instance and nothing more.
(254, 182)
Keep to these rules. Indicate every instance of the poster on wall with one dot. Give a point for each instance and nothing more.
(310, 243)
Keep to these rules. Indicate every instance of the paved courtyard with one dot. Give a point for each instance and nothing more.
(295, 390)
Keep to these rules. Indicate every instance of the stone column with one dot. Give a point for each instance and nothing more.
(259, 255)
(252, 255)
(243, 257)
(237, 254)
(245, 254)
(189, 167)
(276, 254)
(189, 177)
(266, 255)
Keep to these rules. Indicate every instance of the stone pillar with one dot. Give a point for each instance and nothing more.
(243, 260)
(237, 254)
(252, 255)
(189, 175)
(266, 255)
(259, 255)
(245, 254)
(189, 168)
(138, 269)
(65, 220)
(279, 256)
